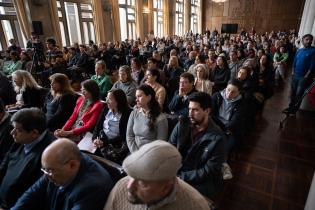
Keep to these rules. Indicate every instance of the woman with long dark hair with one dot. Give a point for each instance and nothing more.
(220, 75)
(146, 122)
(153, 79)
(85, 114)
(110, 132)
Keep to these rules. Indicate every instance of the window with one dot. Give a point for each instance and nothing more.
(179, 17)
(195, 11)
(76, 21)
(127, 13)
(9, 27)
(158, 17)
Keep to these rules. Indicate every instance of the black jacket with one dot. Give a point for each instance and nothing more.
(202, 161)
(18, 171)
(59, 111)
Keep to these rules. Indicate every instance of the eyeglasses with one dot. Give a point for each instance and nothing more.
(49, 172)
(46, 171)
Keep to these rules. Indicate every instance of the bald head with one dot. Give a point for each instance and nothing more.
(61, 161)
(62, 150)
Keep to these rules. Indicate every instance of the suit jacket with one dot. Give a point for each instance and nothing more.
(19, 170)
(88, 190)
(89, 117)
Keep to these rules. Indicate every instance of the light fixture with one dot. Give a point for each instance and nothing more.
(145, 10)
(219, 1)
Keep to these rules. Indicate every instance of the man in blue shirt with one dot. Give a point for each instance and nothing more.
(302, 73)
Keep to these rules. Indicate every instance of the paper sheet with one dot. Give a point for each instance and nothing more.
(86, 143)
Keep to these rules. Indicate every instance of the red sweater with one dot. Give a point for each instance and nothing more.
(89, 117)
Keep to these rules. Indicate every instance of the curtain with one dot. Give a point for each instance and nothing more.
(55, 21)
(24, 19)
(98, 21)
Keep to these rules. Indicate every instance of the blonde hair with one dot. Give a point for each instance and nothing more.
(28, 80)
(175, 59)
(204, 67)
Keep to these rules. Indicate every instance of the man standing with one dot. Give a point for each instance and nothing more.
(71, 181)
(302, 73)
(202, 146)
(152, 182)
(21, 166)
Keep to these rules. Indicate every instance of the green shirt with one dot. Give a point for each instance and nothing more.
(104, 83)
(12, 67)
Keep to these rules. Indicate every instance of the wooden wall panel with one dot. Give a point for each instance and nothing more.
(264, 15)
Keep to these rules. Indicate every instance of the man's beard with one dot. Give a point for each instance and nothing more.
(194, 121)
(134, 199)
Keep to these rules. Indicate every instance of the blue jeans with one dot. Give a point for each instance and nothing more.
(298, 86)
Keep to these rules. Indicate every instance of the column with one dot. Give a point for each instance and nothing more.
(187, 11)
(150, 17)
(116, 20)
(166, 15)
(139, 19)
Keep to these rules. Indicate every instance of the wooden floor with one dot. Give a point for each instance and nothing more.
(274, 168)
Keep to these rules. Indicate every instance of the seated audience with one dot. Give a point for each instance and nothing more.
(227, 109)
(109, 134)
(6, 140)
(202, 83)
(152, 183)
(202, 145)
(127, 84)
(59, 102)
(234, 64)
(28, 92)
(153, 79)
(179, 103)
(14, 64)
(266, 80)
(14, 47)
(80, 65)
(101, 78)
(71, 180)
(172, 75)
(21, 166)
(26, 61)
(136, 71)
(146, 122)
(85, 114)
(200, 59)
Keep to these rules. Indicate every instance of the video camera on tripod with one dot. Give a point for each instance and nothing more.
(38, 57)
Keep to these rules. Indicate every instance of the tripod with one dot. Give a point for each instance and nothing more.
(296, 104)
